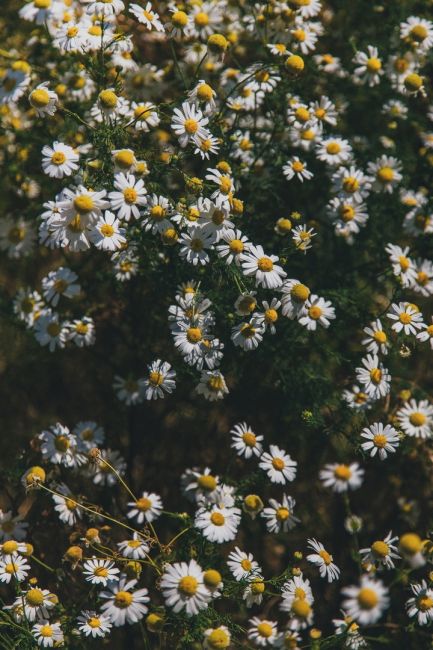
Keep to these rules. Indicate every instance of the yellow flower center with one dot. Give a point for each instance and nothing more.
(380, 440)
(385, 174)
(95, 30)
(300, 292)
(419, 33)
(156, 378)
(212, 578)
(218, 639)
(271, 315)
(333, 148)
(374, 64)
(297, 166)
(236, 246)
(94, 622)
(217, 519)
(257, 586)
(108, 98)
(265, 630)
(350, 184)
(342, 472)
(130, 195)
(282, 514)
(265, 264)
(315, 312)
(249, 439)
(179, 19)
(301, 608)
(405, 317)
(107, 230)
(367, 598)
(72, 31)
(42, 4)
(207, 482)
(380, 336)
(215, 383)
(196, 244)
(188, 585)
(326, 557)
(404, 262)
(422, 278)
(46, 631)
(143, 504)
(124, 158)
(100, 572)
(299, 35)
(134, 543)
(141, 113)
(62, 443)
(16, 235)
(278, 464)
(9, 547)
(35, 597)
(376, 375)
(58, 158)
(201, 19)
(246, 564)
(302, 114)
(413, 82)
(40, 98)
(11, 568)
(191, 126)
(123, 599)
(83, 203)
(380, 548)
(81, 328)
(225, 184)
(424, 603)
(417, 419)
(411, 543)
(218, 217)
(194, 334)
(300, 593)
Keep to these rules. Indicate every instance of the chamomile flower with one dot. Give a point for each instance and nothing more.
(144, 115)
(183, 587)
(107, 234)
(322, 559)
(100, 571)
(416, 418)
(382, 552)
(81, 331)
(245, 441)
(279, 515)
(232, 244)
(59, 160)
(105, 7)
(295, 168)
(386, 174)
(334, 151)
(406, 317)
(36, 603)
(92, 624)
(369, 66)
(13, 85)
(381, 440)
(218, 524)
(60, 283)
(16, 568)
(160, 380)
(123, 604)
(58, 445)
(43, 100)
(216, 638)
(420, 605)
(248, 335)
(341, 478)
(47, 634)
(188, 123)
(66, 505)
(135, 548)
(263, 267)
(128, 196)
(351, 183)
(212, 385)
(367, 602)
(426, 334)
(147, 508)
(147, 16)
(376, 340)
(418, 32)
(195, 244)
(242, 565)
(262, 633)
(374, 377)
(12, 527)
(278, 465)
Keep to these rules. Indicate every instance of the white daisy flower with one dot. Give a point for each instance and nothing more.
(43, 100)
(123, 605)
(374, 377)
(403, 267)
(59, 160)
(381, 440)
(100, 571)
(322, 559)
(195, 244)
(212, 385)
(420, 605)
(90, 623)
(367, 602)
(146, 509)
(107, 234)
(218, 524)
(47, 634)
(183, 587)
(245, 441)
(242, 564)
(188, 123)
(279, 515)
(160, 380)
(144, 115)
(382, 552)
(263, 267)
(36, 603)
(295, 168)
(49, 331)
(262, 633)
(278, 465)
(147, 16)
(386, 174)
(376, 340)
(66, 505)
(406, 317)
(416, 418)
(317, 311)
(60, 283)
(340, 477)
(334, 151)
(216, 638)
(235, 243)
(369, 68)
(15, 568)
(135, 548)
(58, 445)
(294, 298)
(130, 194)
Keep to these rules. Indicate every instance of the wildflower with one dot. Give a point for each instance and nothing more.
(381, 440)
(278, 465)
(381, 552)
(367, 602)
(340, 477)
(100, 572)
(420, 605)
(323, 560)
(146, 509)
(183, 587)
(123, 604)
(279, 515)
(242, 564)
(92, 624)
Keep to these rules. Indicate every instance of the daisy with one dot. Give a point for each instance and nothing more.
(296, 589)
(295, 168)
(58, 445)
(218, 524)
(303, 37)
(16, 237)
(195, 244)
(85, 203)
(36, 603)
(89, 435)
(263, 267)
(204, 95)
(235, 243)
(92, 624)
(103, 474)
(60, 283)
(424, 277)
(81, 331)
(279, 515)
(253, 592)
(12, 527)
(123, 605)
(245, 441)
(369, 68)
(206, 146)
(386, 174)
(350, 182)
(49, 331)
(412, 548)
(269, 316)
(72, 37)
(367, 602)
(188, 123)
(100, 571)
(403, 267)
(374, 377)
(66, 505)
(381, 553)
(135, 548)
(130, 195)
(426, 334)
(380, 439)
(160, 380)
(124, 160)
(294, 298)
(334, 151)
(212, 385)
(242, 565)
(416, 418)
(47, 634)
(43, 100)
(59, 160)
(356, 398)
(15, 568)
(13, 85)
(179, 23)
(418, 32)
(146, 509)
(323, 560)
(340, 477)
(183, 587)
(224, 184)
(376, 340)
(157, 213)
(262, 633)
(144, 115)
(278, 465)
(200, 485)
(421, 603)
(107, 233)
(105, 7)
(216, 638)
(147, 16)
(407, 318)
(248, 335)
(317, 311)
(325, 111)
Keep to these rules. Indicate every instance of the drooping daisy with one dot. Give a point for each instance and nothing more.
(245, 441)
(322, 559)
(418, 32)
(146, 509)
(212, 385)
(123, 604)
(242, 564)
(263, 267)
(416, 418)
(216, 638)
(100, 571)
(374, 377)
(278, 465)
(92, 624)
(279, 515)
(294, 297)
(420, 605)
(253, 592)
(381, 440)
(340, 477)
(426, 334)
(367, 602)
(183, 587)
(59, 160)
(382, 552)
(101, 471)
